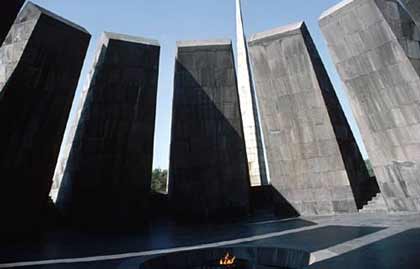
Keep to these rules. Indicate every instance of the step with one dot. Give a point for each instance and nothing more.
(376, 205)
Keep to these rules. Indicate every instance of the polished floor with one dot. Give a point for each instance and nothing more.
(348, 241)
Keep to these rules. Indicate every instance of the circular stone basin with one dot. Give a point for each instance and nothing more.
(246, 258)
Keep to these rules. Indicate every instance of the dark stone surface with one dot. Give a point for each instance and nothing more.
(398, 251)
(108, 174)
(8, 12)
(71, 243)
(375, 46)
(317, 238)
(267, 202)
(313, 158)
(40, 64)
(251, 257)
(413, 7)
(208, 165)
(349, 241)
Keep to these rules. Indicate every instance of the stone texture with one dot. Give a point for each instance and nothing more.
(247, 98)
(40, 64)
(108, 173)
(8, 13)
(375, 46)
(413, 7)
(313, 159)
(208, 165)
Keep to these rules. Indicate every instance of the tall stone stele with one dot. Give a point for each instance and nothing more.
(8, 12)
(40, 64)
(375, 47)
(208, 175)
(249, 111)
(312, 156)
(108, 172)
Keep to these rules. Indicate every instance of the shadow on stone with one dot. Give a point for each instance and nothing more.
(319, 238)
(106, 183)
(398, 251)
(250, 257)
(208, 179)
(70, 242)
(43, 62)
(268, 202)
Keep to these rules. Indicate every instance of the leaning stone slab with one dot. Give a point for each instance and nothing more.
(40, 64)
(8, 12)
(313, 158)
(208, 165)
(375, 47)
(107, 175)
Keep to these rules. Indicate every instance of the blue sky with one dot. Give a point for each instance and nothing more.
(172, 20)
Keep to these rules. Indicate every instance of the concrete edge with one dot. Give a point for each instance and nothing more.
(57, 17)
(335, 8)
(204, 43)
(277, 31)
(130, 38)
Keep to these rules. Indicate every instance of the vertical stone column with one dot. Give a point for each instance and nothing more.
(108, 173)
(413, 7)
(8, 12)
(208, 165)
(40, 64)
(375, 46)
(313, 158)
(247, 98)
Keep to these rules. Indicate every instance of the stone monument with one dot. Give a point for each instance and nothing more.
(375, 47)
(250, 118)
(108, 172)
(40, 64)
(313, 158)
(208, 175)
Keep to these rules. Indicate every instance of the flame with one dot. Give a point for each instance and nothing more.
(227, 260)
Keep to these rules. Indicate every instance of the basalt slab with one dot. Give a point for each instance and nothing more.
(312, 156)
(208, 165)
(107, 176)
(40, 64)
(375, 47)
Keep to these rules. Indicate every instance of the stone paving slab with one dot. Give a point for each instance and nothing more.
(347, 241)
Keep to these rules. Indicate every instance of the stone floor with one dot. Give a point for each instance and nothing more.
(349, 241)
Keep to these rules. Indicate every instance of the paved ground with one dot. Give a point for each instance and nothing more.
(349, 241)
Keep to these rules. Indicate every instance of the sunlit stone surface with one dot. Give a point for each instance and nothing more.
(375, 46)
(313, 158)
(40, 65)
(108, 172)
(208, 166)
(250, 119)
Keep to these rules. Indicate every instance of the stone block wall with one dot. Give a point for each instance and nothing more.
(40, 65)
(208, 175)
(375, 47)
(108, 172)
(313, 158)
